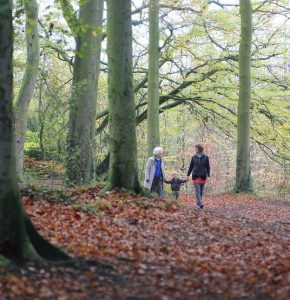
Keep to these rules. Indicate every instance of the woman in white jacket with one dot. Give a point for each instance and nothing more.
(154, 172)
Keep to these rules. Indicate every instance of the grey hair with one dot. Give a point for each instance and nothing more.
(157, 150)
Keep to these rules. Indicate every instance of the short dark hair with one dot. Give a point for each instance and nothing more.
(199, 147)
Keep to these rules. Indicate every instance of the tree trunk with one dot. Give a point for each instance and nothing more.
(122, 125)
(82, 118)
(18, 237)
(29, 80)
(153, 138)
(12, 230)
(41, 120)
(243, 173)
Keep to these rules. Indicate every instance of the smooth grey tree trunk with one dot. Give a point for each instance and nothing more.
(82, 118)
(243, 172)
(122, 124)
(29, 79)
(153, 136)
(41, 120)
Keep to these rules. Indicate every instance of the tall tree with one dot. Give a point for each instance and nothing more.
(243, 172)
(153, 138)
(29, 79)
(18, 237)
(87, 29)
(122, 125)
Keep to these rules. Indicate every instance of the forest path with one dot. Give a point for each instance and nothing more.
(236, 248)
(267, 212)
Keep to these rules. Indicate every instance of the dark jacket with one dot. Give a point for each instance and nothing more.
(175, 183)
(199, 167)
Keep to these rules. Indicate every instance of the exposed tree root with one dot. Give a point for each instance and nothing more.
(42, 246)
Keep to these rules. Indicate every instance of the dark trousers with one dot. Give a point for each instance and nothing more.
(175, 195)
(157, 186)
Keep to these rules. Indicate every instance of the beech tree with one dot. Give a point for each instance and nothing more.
(122, 125)
(29, 79)
(18, 238)
(87, 30)
(243, 173)
(153, 138)
(198, 68)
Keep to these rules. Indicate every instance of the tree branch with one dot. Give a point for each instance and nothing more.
(70, 15)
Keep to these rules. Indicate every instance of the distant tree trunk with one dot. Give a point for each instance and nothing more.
(82, 118)
(183, 122)
(153, 138)
(122, 124)
(243, 173)
(18, 237)
(29, 80)
(41, 121)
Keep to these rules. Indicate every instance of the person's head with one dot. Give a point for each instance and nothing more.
(157, 152)
(198, 148)
(174, 174)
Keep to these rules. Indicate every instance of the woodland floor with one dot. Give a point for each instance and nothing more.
(238, 247)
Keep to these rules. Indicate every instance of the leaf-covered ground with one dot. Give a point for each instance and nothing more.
(236, 248)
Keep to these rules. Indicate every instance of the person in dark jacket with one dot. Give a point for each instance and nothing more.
(175, 183)
(200, 169)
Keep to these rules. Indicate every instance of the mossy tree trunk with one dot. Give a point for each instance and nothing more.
(18, 237)
(243, 172)
(28, 83)
(122, 123)
(82, 118)
(153, 138)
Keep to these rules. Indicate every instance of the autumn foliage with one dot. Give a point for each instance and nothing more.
(140, 248)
